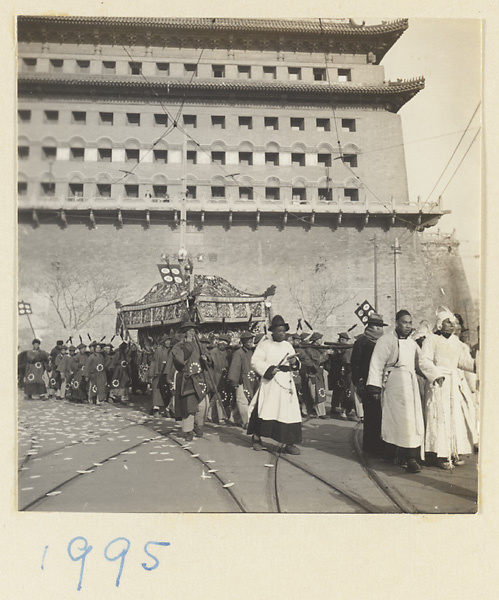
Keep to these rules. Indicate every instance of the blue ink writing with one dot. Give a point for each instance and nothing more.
(121, 555)
(156, 561)
(43, 558)
(84, 551)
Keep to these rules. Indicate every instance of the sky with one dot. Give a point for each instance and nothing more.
(447, 52)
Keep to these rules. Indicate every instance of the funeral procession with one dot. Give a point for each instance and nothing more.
(231, 298)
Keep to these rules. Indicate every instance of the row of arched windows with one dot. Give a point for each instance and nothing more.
(214, 146)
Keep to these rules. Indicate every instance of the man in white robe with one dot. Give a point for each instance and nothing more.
(275, 408)
(392, 373)
(449, 407)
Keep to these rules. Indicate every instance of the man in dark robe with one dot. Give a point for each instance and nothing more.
(96, 375)
(79, 391)
(36, 365)
(371, 403)
(312, 359)
(242, 378)
(192, 386)
(340, 379)
(119, 366)
(220, 365)
(158, 373)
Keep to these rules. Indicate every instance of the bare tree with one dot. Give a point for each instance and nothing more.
(320, 298)
(79, 293)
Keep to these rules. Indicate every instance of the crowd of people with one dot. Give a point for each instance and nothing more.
(413, 390)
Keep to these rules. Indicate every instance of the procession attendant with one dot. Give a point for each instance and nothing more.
(220, 365)
(392, 373)
(191, 387)
(312, 359)
(78, 382)
(71, 351)
(54, 376)
(297, 376)
(274, 411)
(64, 368)
(448, 405)
(371, 403)
(56, 350)
(242, 378)
(340, 379)
(36, 364)
(96, 375)
(158, 373)
(120, 375)
(108, 357)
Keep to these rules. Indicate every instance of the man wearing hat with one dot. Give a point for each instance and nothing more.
(220, 365)
(96, 375)
(54, 376)
(392, 374)
(192, 384)
(242, 378)
(119, 366)
(371, 403)
(275, 410)
(78, 384)
(36, 364)
(340, 378)
(312, 359)
(161, 390)
(63, 367)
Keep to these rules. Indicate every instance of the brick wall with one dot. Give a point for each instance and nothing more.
(335, 262)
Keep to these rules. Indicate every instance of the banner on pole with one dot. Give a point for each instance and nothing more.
(363, 311)
(171, 274)
(24, 308)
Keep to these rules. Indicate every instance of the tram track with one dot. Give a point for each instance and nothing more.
(276, 451)
(274, 482)
(390, 492)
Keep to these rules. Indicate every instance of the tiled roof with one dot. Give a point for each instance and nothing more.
(403, 89)
(220, 84)
(344, 26)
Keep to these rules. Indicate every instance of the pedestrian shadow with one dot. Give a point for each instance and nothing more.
(236, 438)
(444, 482)
(330, 438)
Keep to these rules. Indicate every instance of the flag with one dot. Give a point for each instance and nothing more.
(363, 311)
(24, 308)
(171, 274)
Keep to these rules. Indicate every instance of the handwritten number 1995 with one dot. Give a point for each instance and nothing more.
(117, 549)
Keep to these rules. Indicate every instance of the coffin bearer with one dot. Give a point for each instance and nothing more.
(36, 365)
(161, 392)
(192, 389)
(241, 377)
(361, 358)
(120, 375)
(219, 356)
(392, 373)
(78, 382)
(275, 411)
(312, 359)
(340, 379)
(96, 375)
(296, 340)
(64, 368)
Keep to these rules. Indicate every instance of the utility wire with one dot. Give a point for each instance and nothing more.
(461, 161)
(453, 154)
